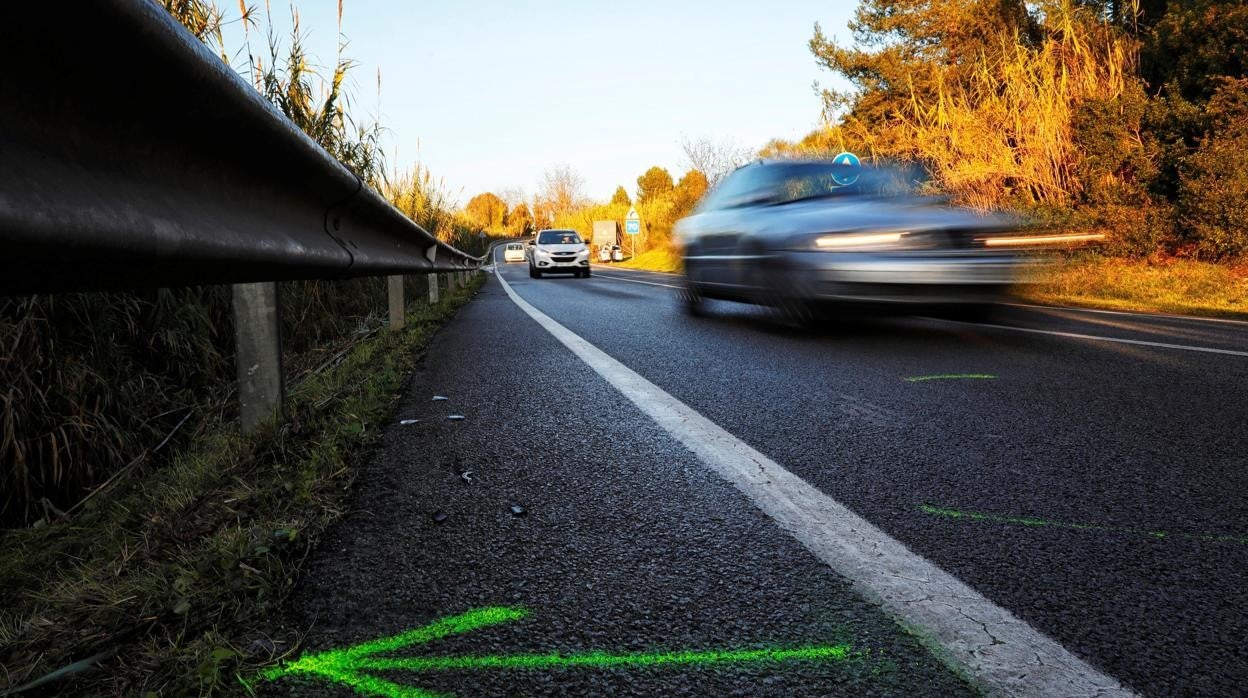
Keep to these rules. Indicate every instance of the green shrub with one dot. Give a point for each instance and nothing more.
(1213, 194)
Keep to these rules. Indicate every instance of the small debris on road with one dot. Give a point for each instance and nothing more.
(467, 475)
(517, 510)
(440, 398)
(456, 417)
(439, 516)
(405, 422)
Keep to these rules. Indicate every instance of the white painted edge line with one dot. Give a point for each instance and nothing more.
(1128, 313)
(632, 281)
(1073, 335)
(634, 271)
(1002, 653)
(1098, 338)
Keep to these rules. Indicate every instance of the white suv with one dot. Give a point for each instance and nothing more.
(558, 251)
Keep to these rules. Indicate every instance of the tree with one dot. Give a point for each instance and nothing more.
(688, 192)
(654, 183)
(1194, 44)
(560, 190)
(1213, 195)
(714, 159)
(693, 185)
(983, 92)
(520, 221)
(486, 211)
(621, 197)
(904, 41)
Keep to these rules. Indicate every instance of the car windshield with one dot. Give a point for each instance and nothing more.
(812, 180)
(558, 237)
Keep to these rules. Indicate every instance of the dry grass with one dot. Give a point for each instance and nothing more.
(172, 574)
(1007, 130)
(664, 258)
(1179, 286)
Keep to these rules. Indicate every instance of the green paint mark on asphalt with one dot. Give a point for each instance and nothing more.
(951, 376)
(1032, 521)
(347, 666)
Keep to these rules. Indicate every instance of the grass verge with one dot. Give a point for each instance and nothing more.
(664, 258)
(167, 581)
(1175, 286)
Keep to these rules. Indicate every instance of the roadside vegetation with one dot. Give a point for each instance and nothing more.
(140, 529)
(166, 578)
(1166, 285)
(666, 259)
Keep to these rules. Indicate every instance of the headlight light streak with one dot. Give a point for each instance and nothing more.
(1026, 241)
(839, 241)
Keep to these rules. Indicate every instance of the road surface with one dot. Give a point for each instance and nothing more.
(1071, 484)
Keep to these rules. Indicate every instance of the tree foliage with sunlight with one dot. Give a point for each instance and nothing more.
(487, 212)
(655, 182)
(1098, 113)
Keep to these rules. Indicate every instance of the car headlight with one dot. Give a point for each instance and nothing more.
(860, 241)
(540, 252)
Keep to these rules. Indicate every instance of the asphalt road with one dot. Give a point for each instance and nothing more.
(1090, 481)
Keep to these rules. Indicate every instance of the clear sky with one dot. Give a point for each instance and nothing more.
(490, 93)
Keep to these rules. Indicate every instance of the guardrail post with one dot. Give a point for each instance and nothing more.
(432, 277)
(258, 353)
(397, 302)
(450, 282)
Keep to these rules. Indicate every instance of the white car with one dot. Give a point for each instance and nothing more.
(604, 254)
(514, 252)
(617, 254)
(558, 252)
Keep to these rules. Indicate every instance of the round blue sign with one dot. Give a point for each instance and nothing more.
(847, 172)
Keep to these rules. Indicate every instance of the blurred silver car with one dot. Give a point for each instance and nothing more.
(797, 234)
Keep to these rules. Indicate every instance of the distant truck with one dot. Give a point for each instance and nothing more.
(606, 234)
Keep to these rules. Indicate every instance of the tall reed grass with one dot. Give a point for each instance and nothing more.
(91, 383)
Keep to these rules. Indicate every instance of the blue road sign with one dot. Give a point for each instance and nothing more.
(849, 174)
(632, 222)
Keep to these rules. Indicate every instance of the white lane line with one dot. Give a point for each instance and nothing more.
(1098, 338)
(1005, 655)
(1072, 335)
(636, 271)
(633, 281)
(1159, 316)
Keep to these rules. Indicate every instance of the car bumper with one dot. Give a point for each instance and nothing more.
(908, 278)
(546, 265)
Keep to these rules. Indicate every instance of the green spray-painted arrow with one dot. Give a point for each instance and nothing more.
(348, 666)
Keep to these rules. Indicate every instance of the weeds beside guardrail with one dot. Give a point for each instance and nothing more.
(170, 576)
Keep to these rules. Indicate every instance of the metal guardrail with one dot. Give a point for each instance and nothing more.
(130, 155)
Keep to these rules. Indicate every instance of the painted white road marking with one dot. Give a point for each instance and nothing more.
(1004, 654)
(633, 281)
(1056, 333)
(1127, 313)
(1098, 338)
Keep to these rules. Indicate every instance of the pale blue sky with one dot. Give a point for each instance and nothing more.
(492, 93)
